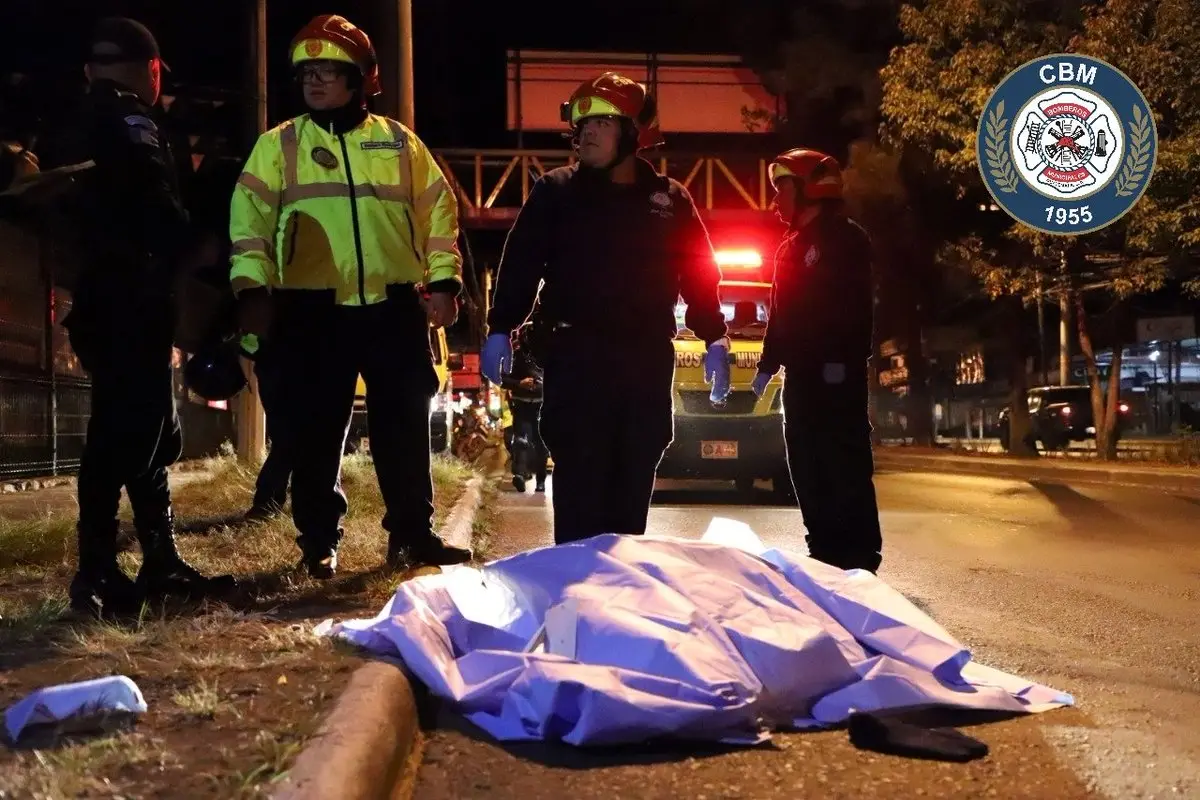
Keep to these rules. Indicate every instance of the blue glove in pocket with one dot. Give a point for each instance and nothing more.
(496, 357)
(759, 385)
(716, 372)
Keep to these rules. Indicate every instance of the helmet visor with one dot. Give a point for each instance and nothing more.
(320, 50)
(585, 107)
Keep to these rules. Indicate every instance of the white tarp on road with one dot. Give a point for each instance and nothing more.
(716, 639)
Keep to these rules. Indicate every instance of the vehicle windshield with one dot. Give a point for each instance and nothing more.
(1066, 394)
(745, 309)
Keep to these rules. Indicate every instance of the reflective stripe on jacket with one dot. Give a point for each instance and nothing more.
(352, 212)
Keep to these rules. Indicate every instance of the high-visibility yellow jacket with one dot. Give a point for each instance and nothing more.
(352, 212)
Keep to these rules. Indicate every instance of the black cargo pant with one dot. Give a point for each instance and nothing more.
(827, 430)
(270, 491)
(133, 433)
(323, 348)
(607, 420)
(529, 451)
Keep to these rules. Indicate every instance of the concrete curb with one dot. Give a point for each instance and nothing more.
(1163, 479)
(364, 745)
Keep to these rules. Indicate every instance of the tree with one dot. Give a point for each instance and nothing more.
(935, 87)
(879, 196)
(824, 58)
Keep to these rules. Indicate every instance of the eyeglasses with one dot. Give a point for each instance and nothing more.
(319, 73)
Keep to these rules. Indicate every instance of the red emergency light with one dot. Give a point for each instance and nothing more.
(739, 259)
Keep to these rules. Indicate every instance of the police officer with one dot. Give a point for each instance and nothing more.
(344, 252)
(271, 488)
(525, 393)
(121, 326)
(820, 331)
(616, 244)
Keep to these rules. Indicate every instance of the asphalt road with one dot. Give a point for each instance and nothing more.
(1091, 590)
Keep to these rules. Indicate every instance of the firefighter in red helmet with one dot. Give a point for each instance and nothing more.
(345, 252)
(613, 245)
(820, 331)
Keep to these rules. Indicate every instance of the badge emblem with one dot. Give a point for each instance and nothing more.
(324, 157)
(1067, 144)
(661, 199)
(585, 105)
(312, 48)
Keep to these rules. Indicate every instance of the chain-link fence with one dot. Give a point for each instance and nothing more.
(44, 392)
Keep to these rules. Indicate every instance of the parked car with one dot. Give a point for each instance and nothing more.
(1059, 415)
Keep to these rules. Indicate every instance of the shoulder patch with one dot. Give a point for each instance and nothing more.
(377, 145)
(142, 130)
(812, 256)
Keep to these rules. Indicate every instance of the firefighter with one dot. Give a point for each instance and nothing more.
(344, 252)
(524, 383)
(819, 330)
(271, 488)
(121, 326)
(616, 244)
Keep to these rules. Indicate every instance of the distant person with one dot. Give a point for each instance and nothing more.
(820, 330)
(271, 487)
(122, 325)
(530, 457)
(616, 245)
(344, 236)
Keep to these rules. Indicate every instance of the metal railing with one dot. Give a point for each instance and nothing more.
(45, 396)
(493, 184)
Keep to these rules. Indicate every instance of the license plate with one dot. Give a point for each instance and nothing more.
(718, 449)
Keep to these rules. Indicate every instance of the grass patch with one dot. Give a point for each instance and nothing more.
(202, 701)
(234, 689)
(79, 769)
(44, 541)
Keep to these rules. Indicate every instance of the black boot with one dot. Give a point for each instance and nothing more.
(321, 562)
(101, 588)
(262, 513)
(518, 482)
(427, 551)
(165, 572)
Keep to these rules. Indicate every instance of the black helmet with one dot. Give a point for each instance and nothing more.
(215, 373)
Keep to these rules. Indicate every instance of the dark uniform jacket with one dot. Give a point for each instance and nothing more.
(615, 259)
(822, 300)
(132, 229)
(133, 225)
(524, 366)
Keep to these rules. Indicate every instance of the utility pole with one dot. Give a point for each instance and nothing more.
(250, 417)
(1043, 360)
(1064, 338)
(404, 89)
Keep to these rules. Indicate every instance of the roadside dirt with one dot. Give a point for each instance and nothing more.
(233, 689)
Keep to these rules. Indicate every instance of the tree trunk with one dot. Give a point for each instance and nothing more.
(1106, 429)
(1104, 409)
(1018, 415)
(918, 404)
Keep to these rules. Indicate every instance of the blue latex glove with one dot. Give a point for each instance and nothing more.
(496, 357)
(759, 385)
(716, 370)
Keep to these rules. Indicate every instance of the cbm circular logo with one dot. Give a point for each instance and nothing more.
(1066, 144)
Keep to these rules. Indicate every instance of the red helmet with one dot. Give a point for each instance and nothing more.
(817, 176)
(613, 95)
(330, 37)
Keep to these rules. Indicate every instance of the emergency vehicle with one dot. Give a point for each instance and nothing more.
(441, 407)
(741, 440)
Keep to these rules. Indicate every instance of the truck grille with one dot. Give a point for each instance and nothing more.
(741, 402)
